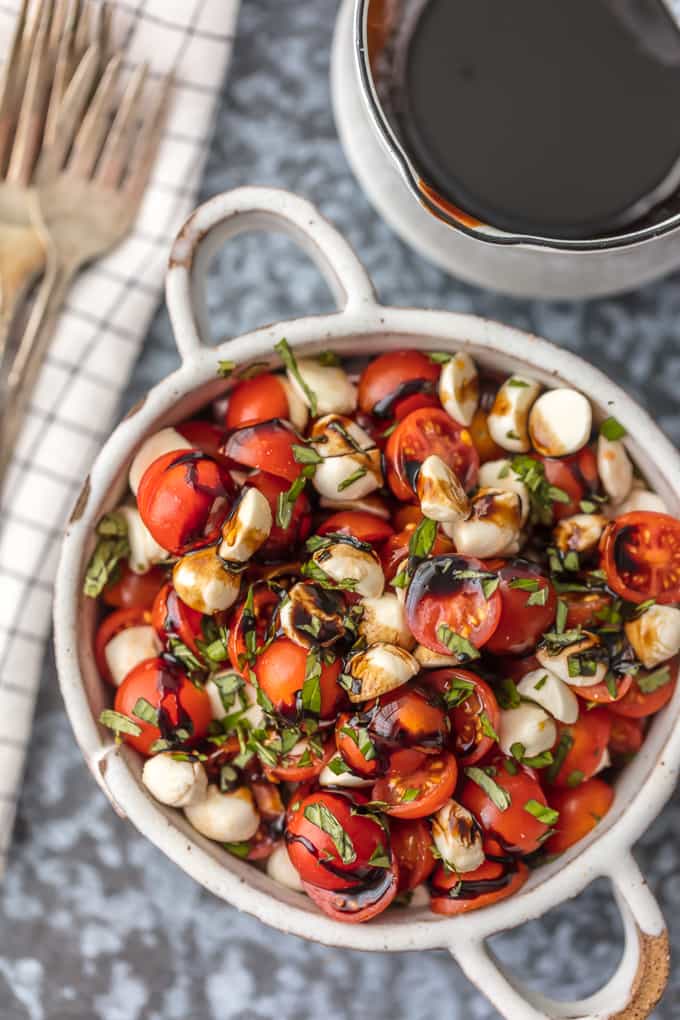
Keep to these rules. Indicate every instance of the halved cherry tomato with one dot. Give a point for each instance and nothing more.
(111, 625)
(359, 524)
(291, 771)
(421, 792)
(180, 704)
(204, 435)
(626, 735)
(414, 403)
(184, 498)
(411, 843)
(331, 843)
(392, 378)
(281, 670)
(586, 742)
(360, 902)
(395, 549)
(405, 514)
(506, 816)
(417, 436)
(641, 555)
(268, 446)
(600, 694)
(258, 399)
(247, 620)
(576, 475)
(170, 617)
(481, 437)
(282, 542)
(133, 591)
(497, 878)
(475, 716)
(640, 701)
(524, 617)
(580, 808)
(584, 608)
(443, 601)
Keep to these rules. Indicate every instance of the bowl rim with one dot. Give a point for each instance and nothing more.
(117, 770)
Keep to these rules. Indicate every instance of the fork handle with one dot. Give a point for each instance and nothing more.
(31, 354)
(22, 258)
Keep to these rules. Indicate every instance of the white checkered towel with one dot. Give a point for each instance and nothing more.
(97, 342)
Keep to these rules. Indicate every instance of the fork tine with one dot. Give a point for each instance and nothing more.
(70, 114)
(31, 117)
(58, 23)
(84, 32)
(66, 64)
(121, 136)
(104, 29)
(8, 86)
(95, 124)
(148, 142)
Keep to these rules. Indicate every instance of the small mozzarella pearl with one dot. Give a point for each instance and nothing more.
(560, 422)
(298, 413)
(457, 837)
(579, 533)
(614, 468)
(332, 476)
(165, 441)
(327, 777)
(342, 561)
(380, 668)
(551, 693)
(384, 620)
(247, 696)
(493, 527)
(247, 528)
(144, 549)
(173, 782)
(639, 499)
(128, 648)
(655, 635)
(508, 419)
(330, 384)
(281, 869)
(459, 388)
(528, 725)
(370, 504)
(225, 817)
(441, 495)
(309, 606)
(204, 583)
(433, 660)
(559, 663)
(498, 474)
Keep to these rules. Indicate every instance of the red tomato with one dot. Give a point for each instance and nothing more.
(583, 608)
(580, 810)
(576, 475)
(638, 704)
(599, 694)
(513, 825)
(358, 904)
(170, 617)
(280, 670)
(392, 378)
(133, 591)
(291, 771)
(421, 792)
(267, 445)
(474, 718)
(485, 446)
(492, 881)
(641, 555)
(586, 741)
(422, 433)
(258, 399)
(245, 620)
(329, 843)
(204, 435)
(441, 603)
(359, 524)
(411, 843)
(626, 735)
(113, 624)
(184, 498)
(522, 624)
(395, 549)
(282, 542)
(414, 403)
(180, 704)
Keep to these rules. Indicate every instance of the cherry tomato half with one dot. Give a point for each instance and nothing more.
(584, 608)
(586, 742)
(258, 399)
(421, 792)
(647, 697)
(626, 735)
(580, 808)
(600, 694)
(392, 378)
(268, 446)
(505, 815)
(114, 623)
(180, 704)
(396, 548)
(444, 602)
(205, 436)
(475, 716)
(133, 591)
(170, 617)
(302, 763)
(184, 497)
(251, 619)
(528, 604)
(282, 542)
(641, 556)
(359, 524)
(411, 843)
(417, 436)
(360, 902)
(281, 671)
(576, 475)
(494, 880)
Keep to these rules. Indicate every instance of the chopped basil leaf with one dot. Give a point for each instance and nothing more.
(524, 584)
(112, 547)
(119, 723)
(500, 797)
(517, 750)
(487, 727)
(458, 691)
(423, 539)
(456, 644)
(321, 816)
(541, 682)
(337, 766)
(145, 711)
(587, 506)
(561, 616)
(329, 359)
(184, 655)
(539, 761)
(285, 503)
(652, 681)
(489, 585)
(440, 357)
(360, 472)
(225, 368)
(612, 429)
(538, 598)
(306, 454)
(542, 812)
(409, 794)
(282, 348)
(511, 434)
(238, 849)
(575, 778)
(311, 688)
(507, 693)
(563, 748)
(379, 858)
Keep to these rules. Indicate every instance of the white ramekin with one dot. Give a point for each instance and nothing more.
(362, 326)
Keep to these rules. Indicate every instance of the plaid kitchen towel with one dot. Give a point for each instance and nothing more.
(99, 337)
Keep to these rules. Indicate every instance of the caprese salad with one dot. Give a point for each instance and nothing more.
(387, 633)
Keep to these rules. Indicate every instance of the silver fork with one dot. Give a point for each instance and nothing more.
(90, 183)
(43, 55)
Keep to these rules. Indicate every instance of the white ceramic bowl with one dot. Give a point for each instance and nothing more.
(363, 326)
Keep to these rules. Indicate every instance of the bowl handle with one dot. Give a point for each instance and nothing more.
(245, 209)
(630, 994)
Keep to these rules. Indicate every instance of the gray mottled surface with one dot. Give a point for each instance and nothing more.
(95, 924)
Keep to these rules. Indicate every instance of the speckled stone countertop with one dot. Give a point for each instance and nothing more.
(97, 925)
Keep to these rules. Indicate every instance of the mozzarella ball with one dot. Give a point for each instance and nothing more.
(508, 420)
(614, 468)
(298, 413)
(575, 655)
(225, 817)
(440, 493)
(128, 648)
(245, 699)
(351, 465)
(433, 660)
(144, 549)
(528, 725)
(378, 669)
(281, 869)
(384, 620)
(247, 527)
(165, 441)
(327, 777)
(330, 384)
(174, 782)
(551, 693)
(370, 504)
(457, 837)
(655, 635)
(580, 533)
(203, 581)
(560, 422)
(639, 499)
(498, 474)
(493, 527)
(343, 561)
(312, 615)
(459, 388)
